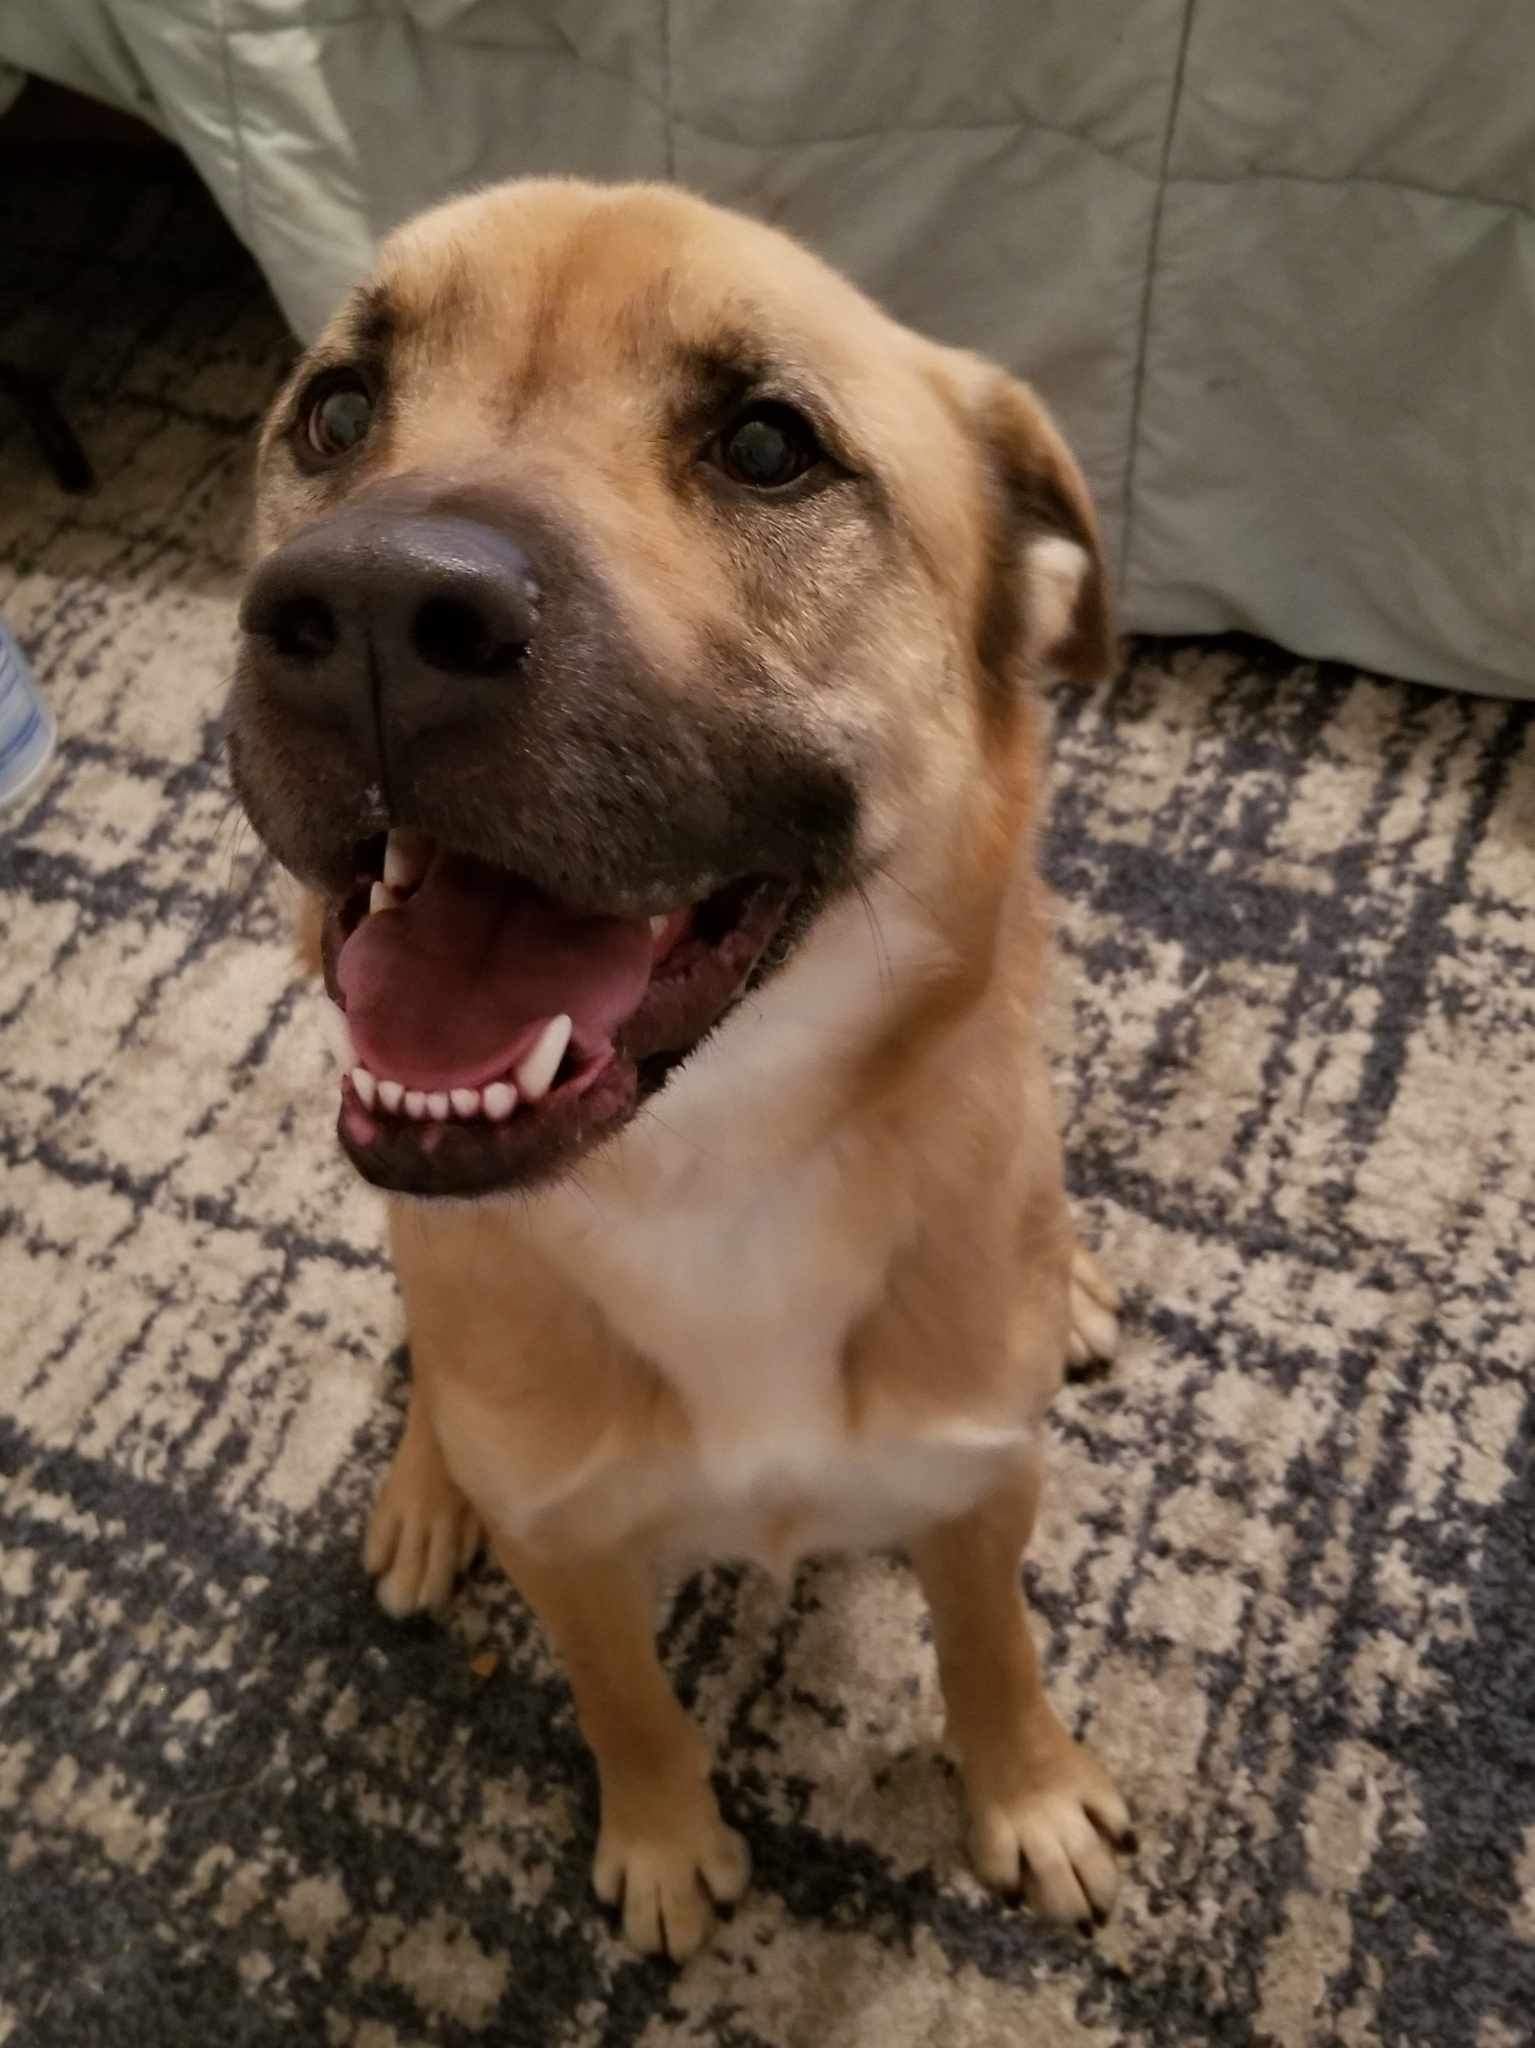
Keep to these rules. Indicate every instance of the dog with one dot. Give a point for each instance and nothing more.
(639, 674)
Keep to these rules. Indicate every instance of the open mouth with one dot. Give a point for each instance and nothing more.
(496, 1033)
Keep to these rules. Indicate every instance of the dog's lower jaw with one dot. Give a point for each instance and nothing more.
(440, 1137)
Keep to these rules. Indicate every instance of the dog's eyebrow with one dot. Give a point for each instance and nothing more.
(722, 374)
(718, 377)
(375, 318)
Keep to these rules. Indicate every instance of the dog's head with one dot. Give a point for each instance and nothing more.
(628, 588)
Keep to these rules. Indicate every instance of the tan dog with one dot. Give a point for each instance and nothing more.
(639, 669)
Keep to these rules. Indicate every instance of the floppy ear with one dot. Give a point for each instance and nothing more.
(1046, 601)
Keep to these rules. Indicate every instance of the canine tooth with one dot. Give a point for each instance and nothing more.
(541, 1064)
(340, 1038)
(381, 897)
(437, 1105)
(499, 1100)
(465, 1101)
(415, 1103)
(364, 1084)
(658, 924)
(391, 1095)
(404, 858)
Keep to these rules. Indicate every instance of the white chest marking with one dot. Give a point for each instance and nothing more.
(736, 1235)
(733, 1235)
(743, 1298)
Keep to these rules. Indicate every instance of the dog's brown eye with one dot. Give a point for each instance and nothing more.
(769, 447)
(338, 415)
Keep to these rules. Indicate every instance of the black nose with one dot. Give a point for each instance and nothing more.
(385, 621)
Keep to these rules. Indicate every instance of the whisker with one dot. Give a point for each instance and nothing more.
(577, 1180)
(648, 1110)
(234, 824)
(220, 689)
(876, 933)
(906, 890)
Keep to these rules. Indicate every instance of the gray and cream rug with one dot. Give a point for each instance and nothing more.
(1287, 1578)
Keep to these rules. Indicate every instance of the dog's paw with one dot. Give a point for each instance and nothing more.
(1050, 1835)
(1094, 1312)
(666, 1881)
(422, 1532)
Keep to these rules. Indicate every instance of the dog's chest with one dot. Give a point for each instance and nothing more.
(737, 1254)
(745, 1306)
(742, 1298)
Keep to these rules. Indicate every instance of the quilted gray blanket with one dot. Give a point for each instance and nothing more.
(1275, 265)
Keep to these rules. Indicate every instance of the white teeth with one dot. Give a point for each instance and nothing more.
(439, 1104)
(542, 1063)
(658, 925)
(499, 1101)
(380, 897)
(405, 859)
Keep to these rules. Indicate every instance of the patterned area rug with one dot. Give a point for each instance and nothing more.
(1287, 1576)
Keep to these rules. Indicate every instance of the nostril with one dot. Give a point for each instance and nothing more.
(302, 629)
(456, 636)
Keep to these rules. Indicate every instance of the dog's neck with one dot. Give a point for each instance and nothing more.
(781, 1076)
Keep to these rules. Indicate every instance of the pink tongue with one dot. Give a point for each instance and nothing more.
(451, 990)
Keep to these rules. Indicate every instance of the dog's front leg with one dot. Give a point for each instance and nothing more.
(1043, 1813)
(663, 1852)
(422, 1532)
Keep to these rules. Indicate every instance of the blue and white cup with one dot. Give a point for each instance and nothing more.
(27, 730)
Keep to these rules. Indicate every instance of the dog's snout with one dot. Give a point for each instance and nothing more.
(301, 628)
(461, 635)
(366, 620)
